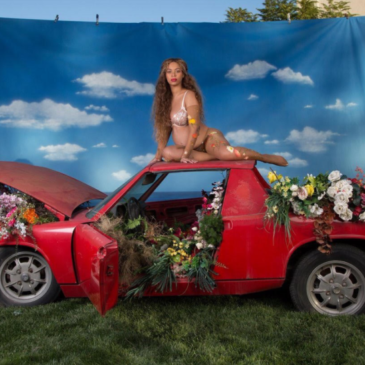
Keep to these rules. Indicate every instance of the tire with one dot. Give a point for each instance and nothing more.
(331, 284)
(26, 278)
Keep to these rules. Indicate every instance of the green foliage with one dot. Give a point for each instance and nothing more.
(200, 270)
(307, 9)
(211, 228)
(274, 10)
(335, 9)
(240, 15)
(159, 275)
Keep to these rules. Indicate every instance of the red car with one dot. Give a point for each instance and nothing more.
(74, 257)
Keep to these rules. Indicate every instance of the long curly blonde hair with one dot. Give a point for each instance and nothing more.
(161, 108)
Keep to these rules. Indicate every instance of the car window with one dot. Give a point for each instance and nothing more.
(186, 185)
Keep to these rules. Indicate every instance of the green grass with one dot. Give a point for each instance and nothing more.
(256, 329)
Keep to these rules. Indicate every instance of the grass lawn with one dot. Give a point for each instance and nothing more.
(257, 329)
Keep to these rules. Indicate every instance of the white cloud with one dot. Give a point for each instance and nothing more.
(308, 106)
(107, 85)
(47, 115)
(253, 70)
(121, 175)
(311, 140)
(286, 155)
(338, 106)
(297, 162)
(252, 97)
(242, 137)
(274, 141)
(288, 76)
(263, 171)
(115, 146)
(97, 108)
(100, 145)
(143, 160)
(62, 152)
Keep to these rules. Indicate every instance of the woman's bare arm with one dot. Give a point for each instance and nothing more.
(193, 110)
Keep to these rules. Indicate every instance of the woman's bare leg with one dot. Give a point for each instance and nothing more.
(174, 153)
(218, 147)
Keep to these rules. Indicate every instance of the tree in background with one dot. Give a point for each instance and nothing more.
(335, 9)
(307, 9)
(278, 10)
(274, 10)
(240, 15)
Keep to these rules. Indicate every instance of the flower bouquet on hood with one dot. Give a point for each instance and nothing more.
(324, 197)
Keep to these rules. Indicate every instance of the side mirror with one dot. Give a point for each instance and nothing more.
(149, 179)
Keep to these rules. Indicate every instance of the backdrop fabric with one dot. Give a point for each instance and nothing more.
(77, 97)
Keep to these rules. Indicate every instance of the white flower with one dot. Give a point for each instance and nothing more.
(332, 191)
(194, 229)
(199, 245)
(294, 193)
(347, 216)
(211, 246)
(340, 208)
(315, 210)
(334, 176)
(341, 198)
(320, 197)
(294, 188)
(361, 217)
(348, 189)
(302, 193)
(296, 207)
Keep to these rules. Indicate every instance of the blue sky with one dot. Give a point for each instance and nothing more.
(126, 11)
(77, 98)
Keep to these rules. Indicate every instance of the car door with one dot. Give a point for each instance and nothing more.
(96, 261)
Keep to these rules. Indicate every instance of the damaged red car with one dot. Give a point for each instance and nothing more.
(70, 255)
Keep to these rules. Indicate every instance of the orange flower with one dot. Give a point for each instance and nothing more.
(192, 121)
(30, 216)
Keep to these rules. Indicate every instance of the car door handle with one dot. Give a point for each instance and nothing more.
(227, 224)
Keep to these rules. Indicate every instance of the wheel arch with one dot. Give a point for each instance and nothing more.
(309, 246)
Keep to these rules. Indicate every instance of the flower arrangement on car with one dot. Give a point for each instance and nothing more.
(324, 197)
(153, 256)
(19, 212)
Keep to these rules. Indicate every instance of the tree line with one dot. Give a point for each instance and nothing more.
(274, 10)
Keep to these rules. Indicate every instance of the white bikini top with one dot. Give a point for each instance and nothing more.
(180, 118)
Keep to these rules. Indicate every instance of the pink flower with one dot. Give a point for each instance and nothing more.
(302, 193)
(11, 222)
(11, 212)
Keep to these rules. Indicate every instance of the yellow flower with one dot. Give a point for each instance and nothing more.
(287, 179)
(275, 209)
(271, 176)
(192, 121)
(310, 189)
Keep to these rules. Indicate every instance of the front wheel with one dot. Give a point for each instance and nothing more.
(331, 284)
(26, 278)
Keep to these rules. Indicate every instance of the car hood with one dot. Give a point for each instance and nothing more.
(53, 188)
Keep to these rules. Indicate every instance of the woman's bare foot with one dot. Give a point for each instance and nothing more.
(275, 160)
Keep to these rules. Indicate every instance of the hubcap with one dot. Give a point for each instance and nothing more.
(24, 277)
(335, 288)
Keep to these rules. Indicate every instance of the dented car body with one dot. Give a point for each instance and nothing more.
(83, 262)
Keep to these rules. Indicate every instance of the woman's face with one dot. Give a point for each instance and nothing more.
(174, 74)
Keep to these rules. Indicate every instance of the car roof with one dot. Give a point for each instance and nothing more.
(207, 165)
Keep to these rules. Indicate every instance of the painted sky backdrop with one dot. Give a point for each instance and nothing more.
(76, 97)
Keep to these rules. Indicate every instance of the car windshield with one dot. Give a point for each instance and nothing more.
(99, 206)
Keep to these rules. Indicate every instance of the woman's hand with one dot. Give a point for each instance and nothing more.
(155, 159)
(188, 160)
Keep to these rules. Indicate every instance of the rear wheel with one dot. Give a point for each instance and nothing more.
(26, 278)
(330, 284)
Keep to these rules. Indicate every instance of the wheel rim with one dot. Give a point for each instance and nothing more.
(25, 277)
(336, 288)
